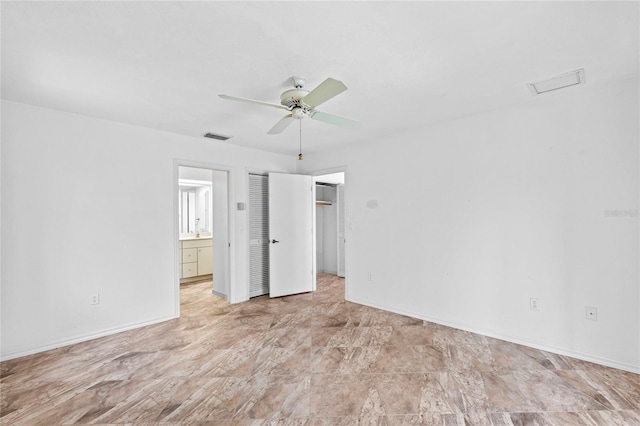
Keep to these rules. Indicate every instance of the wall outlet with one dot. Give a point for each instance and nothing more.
(95, 299)
(534, 304)
(591, 313)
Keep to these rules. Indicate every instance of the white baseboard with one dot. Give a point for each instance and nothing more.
(196, 278)
(217, 293)
(20, 352)
(525, 342)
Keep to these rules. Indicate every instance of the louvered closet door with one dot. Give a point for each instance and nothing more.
(258, 235)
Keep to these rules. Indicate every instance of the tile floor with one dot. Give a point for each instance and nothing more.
(309, 359)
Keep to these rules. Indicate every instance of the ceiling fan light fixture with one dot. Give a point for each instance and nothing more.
(569, 79)
(298, 113)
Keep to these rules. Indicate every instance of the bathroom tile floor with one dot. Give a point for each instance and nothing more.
(308, 359)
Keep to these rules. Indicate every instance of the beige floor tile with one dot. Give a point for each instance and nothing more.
(308, 359)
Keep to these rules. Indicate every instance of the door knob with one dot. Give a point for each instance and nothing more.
(274, 241)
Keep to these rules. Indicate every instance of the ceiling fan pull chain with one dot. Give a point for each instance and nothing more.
(300, 155)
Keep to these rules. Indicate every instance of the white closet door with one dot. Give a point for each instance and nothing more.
(341, 236)
(291, 226)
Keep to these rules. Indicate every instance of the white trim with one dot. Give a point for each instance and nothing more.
(525, 342)
(330, 171)
(17, 353)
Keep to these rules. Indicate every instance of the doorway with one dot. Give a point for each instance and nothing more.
(330, 224)
(203, 227)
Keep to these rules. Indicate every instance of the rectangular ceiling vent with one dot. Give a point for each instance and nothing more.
(569, 79)
(216, 136)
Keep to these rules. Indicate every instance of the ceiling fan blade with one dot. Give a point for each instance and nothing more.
(252, 101)
(325, 91)
(334, 119)
(281, 125)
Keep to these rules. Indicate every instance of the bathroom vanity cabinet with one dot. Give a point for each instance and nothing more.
(196, 257)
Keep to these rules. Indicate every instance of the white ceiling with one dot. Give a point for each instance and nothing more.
(406, 64)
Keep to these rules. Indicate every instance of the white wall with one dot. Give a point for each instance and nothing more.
(88, 206)
(194, 173)
(463, 222)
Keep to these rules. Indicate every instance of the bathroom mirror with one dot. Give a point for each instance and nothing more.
(194, 206)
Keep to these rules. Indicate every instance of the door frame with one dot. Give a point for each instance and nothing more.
(177, 162)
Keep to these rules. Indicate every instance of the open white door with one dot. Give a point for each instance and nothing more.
(291, 223)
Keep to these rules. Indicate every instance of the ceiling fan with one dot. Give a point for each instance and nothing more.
(302, 103)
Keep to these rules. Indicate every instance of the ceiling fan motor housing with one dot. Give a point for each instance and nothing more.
(293, 97)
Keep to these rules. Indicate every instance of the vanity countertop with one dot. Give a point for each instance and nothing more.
(190, 238)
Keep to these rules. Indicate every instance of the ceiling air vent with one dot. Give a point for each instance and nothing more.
(569, 79)
(216, 136)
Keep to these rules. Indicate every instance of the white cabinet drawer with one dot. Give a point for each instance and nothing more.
(189, 269)
(189, 255)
